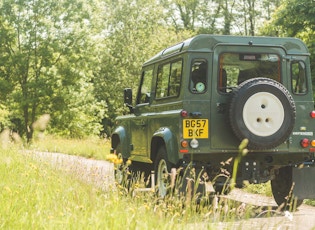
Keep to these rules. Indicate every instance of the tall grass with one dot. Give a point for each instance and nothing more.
(33, 196)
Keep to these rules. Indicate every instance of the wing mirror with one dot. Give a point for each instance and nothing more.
(128, 98)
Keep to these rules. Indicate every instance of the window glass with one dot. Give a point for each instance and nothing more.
(169, 79)
(298, 77)
(162, 81)
(145, 87)
(175, 78)
(235, 68)
(198, 75)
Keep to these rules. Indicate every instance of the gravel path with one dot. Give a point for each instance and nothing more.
(99, 173)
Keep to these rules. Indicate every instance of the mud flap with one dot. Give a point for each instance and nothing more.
(304, 182)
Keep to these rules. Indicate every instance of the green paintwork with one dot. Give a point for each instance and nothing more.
(158, 121)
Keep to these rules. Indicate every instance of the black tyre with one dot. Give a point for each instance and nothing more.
(263, 111)
(141, 171)
(162, 168)
(282, 189)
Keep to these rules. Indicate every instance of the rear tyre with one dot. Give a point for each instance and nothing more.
(282, 189)
(162, 169)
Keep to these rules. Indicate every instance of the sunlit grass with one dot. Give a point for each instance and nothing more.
(99, 148)
(33, 196)
(263, 189)
(93, 147)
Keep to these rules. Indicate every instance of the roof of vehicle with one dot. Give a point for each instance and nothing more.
(208, 42)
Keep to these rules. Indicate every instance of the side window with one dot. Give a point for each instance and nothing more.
(145, 87)
(169, 79)
(298, 77)
(198, 76)
(175, 78)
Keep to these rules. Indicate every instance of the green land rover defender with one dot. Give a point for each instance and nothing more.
(199, 99)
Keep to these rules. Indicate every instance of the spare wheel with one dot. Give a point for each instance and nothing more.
(263, 111)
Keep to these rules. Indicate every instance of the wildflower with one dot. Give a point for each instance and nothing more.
(118, 161)
(111, 157)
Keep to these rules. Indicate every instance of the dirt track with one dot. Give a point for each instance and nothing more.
(100, 173)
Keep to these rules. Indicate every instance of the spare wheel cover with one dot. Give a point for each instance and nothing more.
(263, 111)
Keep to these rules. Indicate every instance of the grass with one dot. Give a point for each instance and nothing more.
(263, 189)
(92, 147)
(34, 196)
(99, 148)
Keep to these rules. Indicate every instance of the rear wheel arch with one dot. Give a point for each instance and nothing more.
(156, 143)
(115, 141)
(164, 136)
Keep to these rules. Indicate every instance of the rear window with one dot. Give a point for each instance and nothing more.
(235, 68)
(298, 77)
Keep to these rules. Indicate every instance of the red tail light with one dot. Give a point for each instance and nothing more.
(305, 143)
(184, 144)
(184, 113)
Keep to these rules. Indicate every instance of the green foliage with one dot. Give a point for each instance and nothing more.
(4, 114)
(310, 202)
(135, 33)
(73, 58)
(295, 18)
(263, 189)
(45, 71)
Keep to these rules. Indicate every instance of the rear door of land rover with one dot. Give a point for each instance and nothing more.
(233, 65)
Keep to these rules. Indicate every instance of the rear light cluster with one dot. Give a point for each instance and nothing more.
(184, 113)
(305, 142)
(194, 143)
(184, 143)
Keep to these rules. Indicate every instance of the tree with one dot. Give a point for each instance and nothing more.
(295, 18)
(218, 16)
(72, 58)
(135, 31)
(44, 56)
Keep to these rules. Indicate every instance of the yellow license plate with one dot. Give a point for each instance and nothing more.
(195, 128)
